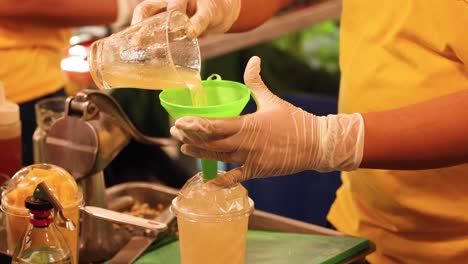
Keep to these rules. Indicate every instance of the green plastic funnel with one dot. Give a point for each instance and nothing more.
(224, 98)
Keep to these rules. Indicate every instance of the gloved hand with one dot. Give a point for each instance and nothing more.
(124, 13)
(206, 16)
(278, 139)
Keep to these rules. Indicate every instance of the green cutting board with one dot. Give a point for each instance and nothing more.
(264, 247)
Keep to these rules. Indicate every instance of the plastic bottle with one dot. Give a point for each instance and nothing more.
(10, 137)
(42, 241)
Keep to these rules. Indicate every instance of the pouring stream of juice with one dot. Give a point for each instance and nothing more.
(147, 77)
(193, 81)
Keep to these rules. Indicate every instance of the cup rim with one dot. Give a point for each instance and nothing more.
(209, 107)
(226, 217)
(50, 99)
(53, 99)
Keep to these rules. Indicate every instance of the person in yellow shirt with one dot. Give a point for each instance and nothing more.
(34, 36)
(400, 137)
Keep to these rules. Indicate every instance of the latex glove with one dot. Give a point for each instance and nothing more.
(278, 139)
(124, 13)
(206, 16)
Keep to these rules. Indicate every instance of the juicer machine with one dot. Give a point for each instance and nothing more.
(93, 130)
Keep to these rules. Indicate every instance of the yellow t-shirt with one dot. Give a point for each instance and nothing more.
(30, 60)
(395, 53)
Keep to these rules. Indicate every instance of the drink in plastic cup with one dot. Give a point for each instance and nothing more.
(23, 185)
(212, 223)
(154, 54)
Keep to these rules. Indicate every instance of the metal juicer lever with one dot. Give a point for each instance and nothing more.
(121, 218)
(109, 105)
(92, 132)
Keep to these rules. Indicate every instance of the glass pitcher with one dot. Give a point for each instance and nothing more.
(154, 54)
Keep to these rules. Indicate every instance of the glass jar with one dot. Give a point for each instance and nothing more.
(42, 242)
(154, 54)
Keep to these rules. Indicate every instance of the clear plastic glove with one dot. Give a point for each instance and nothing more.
(124, 13)
(278, 139)
(206, 16)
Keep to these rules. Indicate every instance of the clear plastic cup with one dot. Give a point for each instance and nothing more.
(23, 185)
(47, 112)
(154, 54)
(212, 223)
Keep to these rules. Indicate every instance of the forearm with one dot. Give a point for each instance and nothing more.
(254, 13)
(422, 136)
(59, 13)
